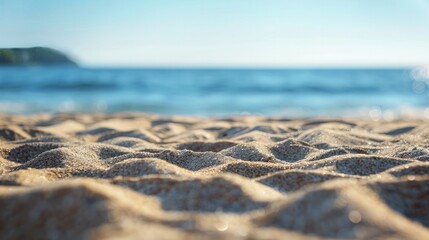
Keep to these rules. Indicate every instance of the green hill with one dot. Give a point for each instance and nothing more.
(33, 56)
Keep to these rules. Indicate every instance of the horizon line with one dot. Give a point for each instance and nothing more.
(310, 66)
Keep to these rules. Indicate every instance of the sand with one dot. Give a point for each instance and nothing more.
(141, 176)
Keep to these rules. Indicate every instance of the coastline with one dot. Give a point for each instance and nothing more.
(141, 175)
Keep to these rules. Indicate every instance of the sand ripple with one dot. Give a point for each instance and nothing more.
(149, 177)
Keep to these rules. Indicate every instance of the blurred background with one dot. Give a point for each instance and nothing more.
(307, 58)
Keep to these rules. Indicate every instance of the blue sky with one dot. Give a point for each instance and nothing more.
(223, 32)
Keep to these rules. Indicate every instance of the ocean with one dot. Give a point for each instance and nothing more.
(377, 93)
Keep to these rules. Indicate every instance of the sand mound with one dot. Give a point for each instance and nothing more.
(291, 151)
(139, 176)
(350, 210)
(292, 180)
(249, 152)
(246, 169)
(206, 146)
(354, 164)
(366, 165)
(405, 196)
(224, 193)
(140, 134)
(13, 133)
(323, 137)
(147, 166)
(130, 142)
(410, 169)
(67, 210)
(26, 152)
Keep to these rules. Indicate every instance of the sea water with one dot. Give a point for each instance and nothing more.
(213, 92)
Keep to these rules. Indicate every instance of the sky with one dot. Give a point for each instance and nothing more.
(230, 33)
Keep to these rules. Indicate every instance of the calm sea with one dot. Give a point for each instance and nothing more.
(213, 92)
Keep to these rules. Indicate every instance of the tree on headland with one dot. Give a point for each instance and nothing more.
(33, 56)
(7, 57)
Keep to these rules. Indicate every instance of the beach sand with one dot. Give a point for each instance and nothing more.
(141, 176)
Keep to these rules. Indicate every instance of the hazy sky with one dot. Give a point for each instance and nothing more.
(223, 32)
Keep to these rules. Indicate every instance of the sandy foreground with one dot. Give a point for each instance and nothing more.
(138, 176)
